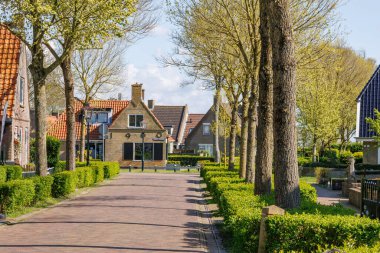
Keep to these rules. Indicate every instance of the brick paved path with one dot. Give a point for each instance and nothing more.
(134, 213)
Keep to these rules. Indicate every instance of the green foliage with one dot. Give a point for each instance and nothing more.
(85, 176)
(43, 187)
(308, 192)
(344, 156)
(15, 195)
(303, 160)
(3, 174)
(53, 146)
(321, 174)
(358, 157)
(64, 183)
(14, 172)
(175, 162)
(98, 173)
(309, 233)
(332, 154)
(191, 160)
(374, 124)
(111, 169)
(355, 147)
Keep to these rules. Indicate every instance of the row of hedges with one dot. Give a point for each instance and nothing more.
(191, 160)
(332, 158)
(9, 172)
(18, 194)
(309, 228)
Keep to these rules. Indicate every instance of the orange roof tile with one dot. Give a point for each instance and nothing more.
(10, 49)
(59, 130)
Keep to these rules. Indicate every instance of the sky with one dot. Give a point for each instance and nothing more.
(359, 19)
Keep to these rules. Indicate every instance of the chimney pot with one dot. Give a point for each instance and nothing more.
(143, 94)
(151, 103)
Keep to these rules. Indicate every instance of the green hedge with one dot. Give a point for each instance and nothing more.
(43, 187)
(241, 211)
(15, 195)
(3, 174)
(191, 160)
(98, 173)
(85, 176)
(64, 183)
(111, 169)
(61, 166)
(14, 172)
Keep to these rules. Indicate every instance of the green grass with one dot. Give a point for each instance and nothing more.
(183, 171)
(310, 180)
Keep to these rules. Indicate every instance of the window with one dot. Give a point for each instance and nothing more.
(152, 151)
(190, 130)
(99, 117)
(135, 120)
(206, 147)
(206, 128)
(21, 89)
(148, 151)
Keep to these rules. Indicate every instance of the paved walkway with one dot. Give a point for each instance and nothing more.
(134, 213)
(328, 197)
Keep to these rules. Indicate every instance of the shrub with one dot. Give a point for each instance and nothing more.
(53, 146)
(358, 157)
(191, 160)
(64, 183)
(321, 174)
(13, 172)
(308, 192)
(3, 174)
(111, 169)
(355, 147)
(98, 173)
(175, 162)
(85, 176)
(303, 160)
(43, 187)
(310, 233)
(344, 155)
(332, 153)
(15, 195)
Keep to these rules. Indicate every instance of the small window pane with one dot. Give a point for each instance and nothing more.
(139, 120)
(148, 151)
(206, 129)
(132, 120)
(102, 117)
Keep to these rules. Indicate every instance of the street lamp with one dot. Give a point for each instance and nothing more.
(87, 110)
(143, 127)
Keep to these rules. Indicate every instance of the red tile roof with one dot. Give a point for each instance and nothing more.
(10, 48)
(58, 129)
(192, 121)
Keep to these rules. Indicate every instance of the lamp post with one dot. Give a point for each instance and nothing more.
(87, 111)
(143, 127)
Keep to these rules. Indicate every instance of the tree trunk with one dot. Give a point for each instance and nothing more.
(251, 139)
(314, 152)
(244, 136)
(287, 192)
(70, 113)
(216, 123)
(38, 77)
(264, 159)
(82, 140)
(232, 141)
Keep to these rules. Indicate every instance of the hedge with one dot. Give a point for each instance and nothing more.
(309, 228)
(85, 176)
(189, 159)
(98, 173)
(64, 183)
(42, 187)
(14, 172)
(3, 174)
(15, 195)
(111, 169)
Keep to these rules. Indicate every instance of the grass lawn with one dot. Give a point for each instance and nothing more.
(310, 180)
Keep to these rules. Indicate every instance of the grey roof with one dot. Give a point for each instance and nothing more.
(171, 116)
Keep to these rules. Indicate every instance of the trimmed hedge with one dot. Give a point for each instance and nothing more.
(98, 173)
(309, 228)
(3, 174)
(14, 172)
(42, 187)
(64, 183)
(191, 160)
(15, 195)
(85, 176)
(111, 169)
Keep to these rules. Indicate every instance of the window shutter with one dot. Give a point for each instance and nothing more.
(158, 149)
(128, 151)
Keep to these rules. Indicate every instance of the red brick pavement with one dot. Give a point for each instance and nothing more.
(134, 213)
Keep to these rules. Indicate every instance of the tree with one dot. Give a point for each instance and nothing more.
(287, 192)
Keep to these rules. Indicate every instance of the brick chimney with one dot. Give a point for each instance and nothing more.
(151, 103)
(137, 92)
(143, 94)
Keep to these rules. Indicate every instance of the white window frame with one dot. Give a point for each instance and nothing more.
(209, 128)
(207, 147)
(129, 117)
(21, 90)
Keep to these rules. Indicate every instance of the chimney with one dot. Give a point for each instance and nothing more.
(136, 92)
(143, 94)
(151, 103)
(119, 97)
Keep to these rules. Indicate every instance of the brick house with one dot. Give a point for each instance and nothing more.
(174, 119)
(14, 95)
(123, 141)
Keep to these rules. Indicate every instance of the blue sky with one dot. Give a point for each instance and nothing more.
(360, 21)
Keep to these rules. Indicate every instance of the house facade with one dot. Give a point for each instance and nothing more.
(122, 139)
(367, 101)
(14, 113)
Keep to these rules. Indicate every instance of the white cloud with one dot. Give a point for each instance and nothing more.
(160, 30)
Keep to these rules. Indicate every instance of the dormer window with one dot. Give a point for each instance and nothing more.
(21, 90)
(99, 117)
(135, 120)
(206, 129)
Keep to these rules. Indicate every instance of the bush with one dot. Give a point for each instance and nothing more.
(15, 195)
(344, 156)
(189, 159)
(303, 160)
(42, 187)
(98, 173)
(3, 174)
(322, 175)
(308, 192)
(85, 176)
(355, 147)
(332, 154)
(53, 146)
(175, 162)
(13, 172)
(358, 157)
(64, 183)
(111, 169)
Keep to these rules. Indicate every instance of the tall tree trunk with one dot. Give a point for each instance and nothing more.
(39, 77)
(70, 113)
(244, 137)
(287, 192)
(251, 139)
(264, 159)
(232, 141)
(82, 140)
(216, 123)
